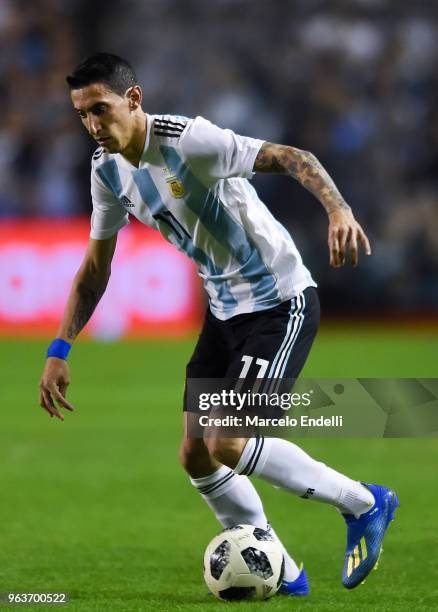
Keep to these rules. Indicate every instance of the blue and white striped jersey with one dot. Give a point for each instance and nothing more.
(192, 186)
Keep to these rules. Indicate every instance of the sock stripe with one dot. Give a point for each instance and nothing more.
(213, 486)
(247, 466)
(262, 442)
(219, 484)
(215, 482)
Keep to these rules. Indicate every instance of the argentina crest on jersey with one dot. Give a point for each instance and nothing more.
(175, 185)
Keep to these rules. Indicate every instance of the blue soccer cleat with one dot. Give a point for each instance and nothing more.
(365, 536)
(296, 588)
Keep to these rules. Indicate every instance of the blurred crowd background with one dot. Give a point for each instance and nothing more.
(354, 81)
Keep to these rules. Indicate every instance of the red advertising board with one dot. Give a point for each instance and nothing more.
(153, 290)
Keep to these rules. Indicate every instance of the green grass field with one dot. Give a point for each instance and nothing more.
(98, 506)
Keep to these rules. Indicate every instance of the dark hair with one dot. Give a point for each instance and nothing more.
(105, 68)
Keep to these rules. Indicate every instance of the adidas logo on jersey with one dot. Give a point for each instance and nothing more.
(125, 201)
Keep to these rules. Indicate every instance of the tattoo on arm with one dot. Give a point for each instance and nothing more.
(305, 168)
(88, 299)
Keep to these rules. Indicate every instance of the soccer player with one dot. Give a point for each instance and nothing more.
(189, 179)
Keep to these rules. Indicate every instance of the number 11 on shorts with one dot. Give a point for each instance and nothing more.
(247, 361)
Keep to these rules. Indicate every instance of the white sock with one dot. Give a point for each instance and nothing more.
(234, 500)
(286, 465)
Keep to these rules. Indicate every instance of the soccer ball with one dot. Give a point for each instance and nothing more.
(243, 562)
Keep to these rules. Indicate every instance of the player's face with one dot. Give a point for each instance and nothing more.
(106, 116)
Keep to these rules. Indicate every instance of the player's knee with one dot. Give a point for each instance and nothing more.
(225, 450)
(194, 458)
(187, 455)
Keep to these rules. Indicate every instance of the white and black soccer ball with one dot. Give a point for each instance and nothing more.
(243, 562)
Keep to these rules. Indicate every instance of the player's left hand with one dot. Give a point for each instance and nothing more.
(344, 234)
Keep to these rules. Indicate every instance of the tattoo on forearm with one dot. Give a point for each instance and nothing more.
(305, 168)
(88, 299)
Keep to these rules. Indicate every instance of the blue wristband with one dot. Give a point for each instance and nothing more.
(59, 348)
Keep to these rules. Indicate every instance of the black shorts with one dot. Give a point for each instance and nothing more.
(271, 344)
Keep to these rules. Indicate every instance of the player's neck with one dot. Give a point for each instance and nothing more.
(134, 150)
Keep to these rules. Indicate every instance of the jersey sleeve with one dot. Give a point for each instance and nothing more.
(108, 214)
(214, 153)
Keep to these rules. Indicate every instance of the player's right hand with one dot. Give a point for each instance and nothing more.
(345, 234)
(53, 387)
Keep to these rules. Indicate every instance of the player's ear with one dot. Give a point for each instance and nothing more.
(134, 95)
